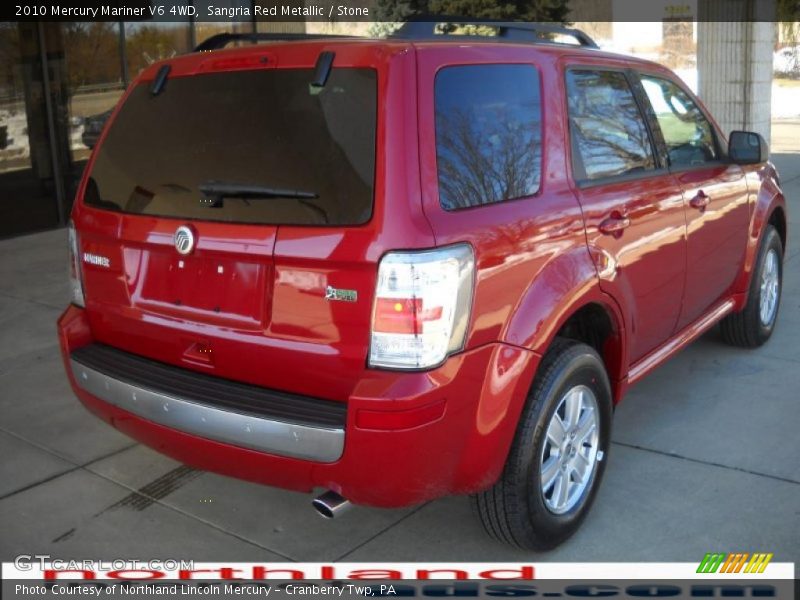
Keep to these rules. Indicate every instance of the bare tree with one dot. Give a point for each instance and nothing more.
(486, 158)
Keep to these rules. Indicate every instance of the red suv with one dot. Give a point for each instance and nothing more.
(405, 268)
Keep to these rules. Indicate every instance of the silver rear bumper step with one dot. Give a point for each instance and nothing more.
(281, 438)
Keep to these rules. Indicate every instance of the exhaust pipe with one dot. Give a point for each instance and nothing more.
(330, 504)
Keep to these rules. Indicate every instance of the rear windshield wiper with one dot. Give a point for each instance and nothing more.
(227, 189)
(216, 191)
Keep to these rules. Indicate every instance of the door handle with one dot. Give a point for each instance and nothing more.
(700, 201)
(614, 225)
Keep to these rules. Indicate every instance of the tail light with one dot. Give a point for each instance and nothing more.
(75, 275)
(422, 306)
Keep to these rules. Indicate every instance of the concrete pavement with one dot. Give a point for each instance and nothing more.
(704, 458)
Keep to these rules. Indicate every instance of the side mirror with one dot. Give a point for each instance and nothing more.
(747, 148)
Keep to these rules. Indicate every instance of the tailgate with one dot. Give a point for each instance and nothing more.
(284, 308)
(273, 181)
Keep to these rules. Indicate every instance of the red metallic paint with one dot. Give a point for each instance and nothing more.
(647, 259)
(716, 234)
(252, 297)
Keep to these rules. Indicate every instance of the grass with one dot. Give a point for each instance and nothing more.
(676, 131)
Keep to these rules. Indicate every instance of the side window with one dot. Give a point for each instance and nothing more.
(609, 135)
(488, 134)
(687, 133)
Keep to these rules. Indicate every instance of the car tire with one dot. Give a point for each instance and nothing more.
(522, 509)
(753, 325)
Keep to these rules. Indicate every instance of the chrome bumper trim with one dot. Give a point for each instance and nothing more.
(256, 433)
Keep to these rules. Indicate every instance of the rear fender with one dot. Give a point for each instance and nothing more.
(566, 284)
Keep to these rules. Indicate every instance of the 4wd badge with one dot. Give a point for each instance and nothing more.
(332, 293)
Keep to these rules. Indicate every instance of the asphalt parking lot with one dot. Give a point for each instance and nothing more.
(706, 457)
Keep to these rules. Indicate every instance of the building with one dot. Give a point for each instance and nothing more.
(58, 82)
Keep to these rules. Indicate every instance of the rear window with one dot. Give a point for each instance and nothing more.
(488, 134)
(248, 147)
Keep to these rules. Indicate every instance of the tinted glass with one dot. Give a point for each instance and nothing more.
(609, 136)
(488, 134)
(687, 133)
(254, 129)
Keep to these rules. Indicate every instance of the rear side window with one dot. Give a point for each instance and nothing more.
(609, 135)
(488, 134)
(687, 133)
(257, 146)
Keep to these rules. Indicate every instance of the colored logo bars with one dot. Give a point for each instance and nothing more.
(734, 563)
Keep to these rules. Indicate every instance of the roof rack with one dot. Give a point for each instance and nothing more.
(219, 41)
(425, 28)
(428, 28)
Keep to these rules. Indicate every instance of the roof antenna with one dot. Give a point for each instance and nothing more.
(161, 79)
(323, 69)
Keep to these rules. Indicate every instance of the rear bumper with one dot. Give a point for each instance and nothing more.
(406, 437)
(256, 432)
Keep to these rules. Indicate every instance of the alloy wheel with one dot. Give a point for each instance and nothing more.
(770, 288)
(570, 450)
